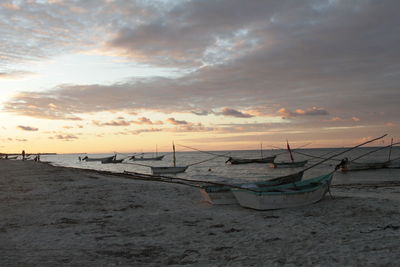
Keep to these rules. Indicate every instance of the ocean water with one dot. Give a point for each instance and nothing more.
(219, 171)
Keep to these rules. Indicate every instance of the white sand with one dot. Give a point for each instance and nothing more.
(58, 216)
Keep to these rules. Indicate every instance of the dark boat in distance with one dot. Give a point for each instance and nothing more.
(233, 160)
(141, 158)
(294, 164)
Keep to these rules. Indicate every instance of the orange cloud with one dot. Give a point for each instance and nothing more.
(144, 120)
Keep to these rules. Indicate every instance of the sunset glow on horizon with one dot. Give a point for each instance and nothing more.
(104, 76)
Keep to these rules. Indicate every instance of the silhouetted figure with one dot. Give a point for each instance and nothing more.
(80, 159)
(342, 163)
(23, 154)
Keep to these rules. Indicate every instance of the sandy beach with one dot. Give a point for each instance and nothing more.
(69, 217)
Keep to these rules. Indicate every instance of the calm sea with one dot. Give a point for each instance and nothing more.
(218, 170)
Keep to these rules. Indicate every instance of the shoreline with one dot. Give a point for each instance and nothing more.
(69, 216)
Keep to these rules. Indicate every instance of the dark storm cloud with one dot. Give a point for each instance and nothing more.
(292, 55)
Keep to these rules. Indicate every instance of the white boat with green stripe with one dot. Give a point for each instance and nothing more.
(284, 196)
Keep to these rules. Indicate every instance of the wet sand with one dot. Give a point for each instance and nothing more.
(59, 216)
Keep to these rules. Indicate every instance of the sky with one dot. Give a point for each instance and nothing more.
(102, 76)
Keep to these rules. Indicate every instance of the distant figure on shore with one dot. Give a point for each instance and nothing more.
(23, 154)
(6, 156)
(80, 159)
(37, 158)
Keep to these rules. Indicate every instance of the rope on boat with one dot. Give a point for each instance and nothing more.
(314, 157)
(144, 165)
(207, 152)
(345, 151)
(206, 160)
(363, 155)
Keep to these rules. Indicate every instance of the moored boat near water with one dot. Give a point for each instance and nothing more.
(222, 194)
(356, 166)
(284, 196)
(97, 159)
(111, 160)
(294, 164)
(141, 158)
(233, 160)
(168, 170)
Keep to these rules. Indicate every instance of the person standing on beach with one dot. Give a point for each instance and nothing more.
(23, 154)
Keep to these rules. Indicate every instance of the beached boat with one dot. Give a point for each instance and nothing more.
(222, 194)
(141, 158)
(290, 164)
(233, 160)
(97, 159)
(284, 196)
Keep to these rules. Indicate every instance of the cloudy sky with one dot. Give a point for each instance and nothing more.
(122, 75)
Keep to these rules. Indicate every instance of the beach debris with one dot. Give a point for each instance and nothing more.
(382, 228)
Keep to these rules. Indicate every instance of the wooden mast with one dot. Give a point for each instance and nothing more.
(290, 151)
(390, 150)
(173, 148)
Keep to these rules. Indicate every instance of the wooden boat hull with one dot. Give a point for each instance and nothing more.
(147, 159)
(98, 159)
(353, 166)
(168, 170)
(222, 195)
(110, 161)
(285, 196)
(247, 161)
(295, 164)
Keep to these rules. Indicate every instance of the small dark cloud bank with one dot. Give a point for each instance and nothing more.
(27, 128)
